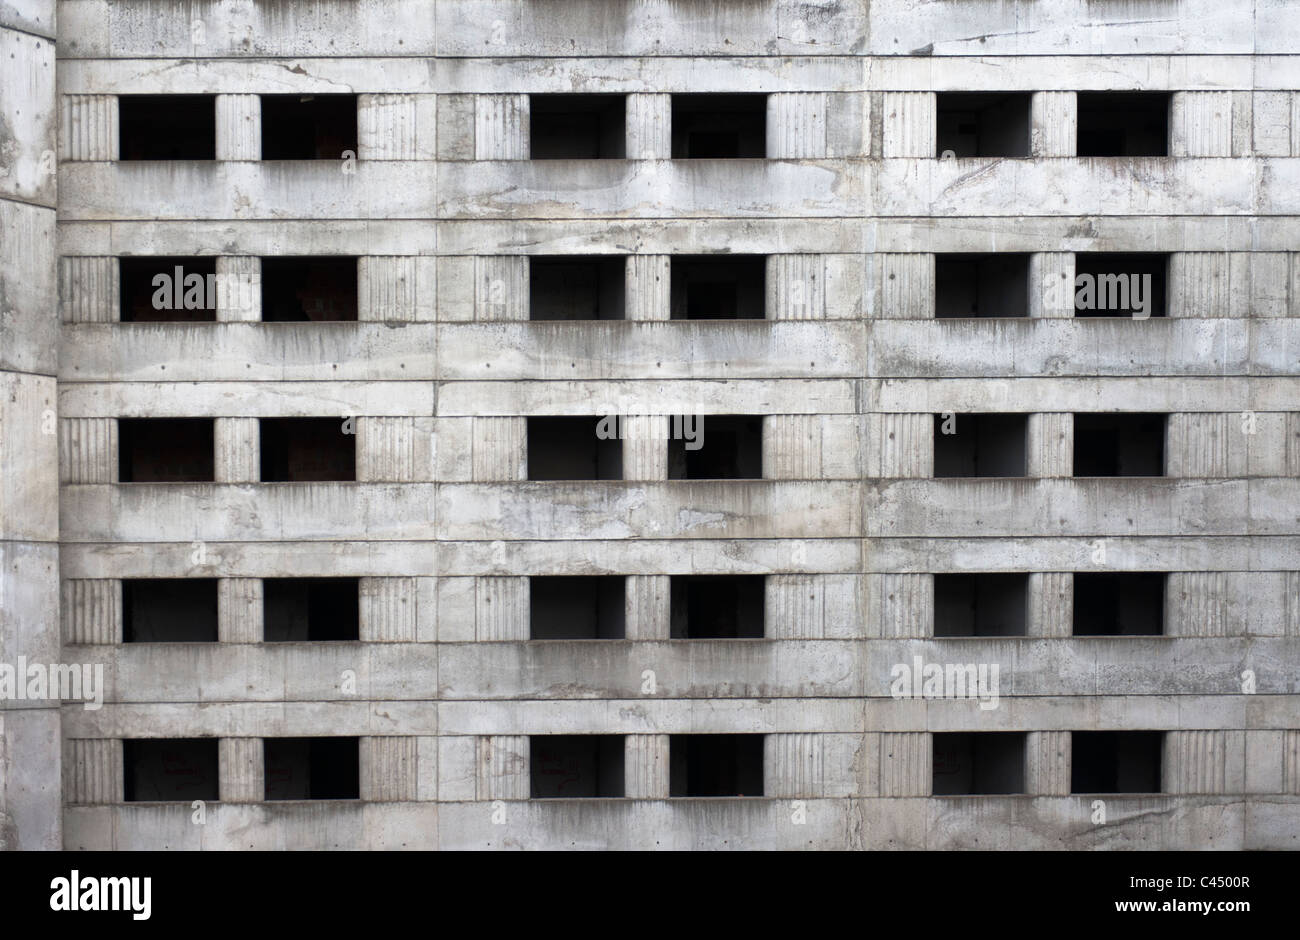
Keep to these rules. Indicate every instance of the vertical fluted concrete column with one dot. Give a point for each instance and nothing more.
(900, 446)
(1051, 444)
(795, 606)
(238, 446)
(91, 611)
(649, 127)
(1199, 283)
(385, 450)
(1047, 763)
(399, 288)
(239, 127)
(1051, 284)
(1054, 123)
(502, 608)
(1291, 762)
(909, 124)
(241, 770)
(1051, 603)
(389, 610)
(901, 605)
(1203, 762)
(501, 287)
(239, 288)
(500, 449)
(796, 287)
(792, 447)
(1196, 604)
(906, 286)
(389, 768)
(88, 127)
(92, 771)
(647, 607)
(1199, 445)
(794, 765)
(396, 127)
(648, 287)
(501, 127)
(1291, 615)
(1200, 124)
(796, 125)
(906, 762)
(645, 447)
(240, 610)
(645, 766)
(502, 767)
(89, 289)
(88, 450)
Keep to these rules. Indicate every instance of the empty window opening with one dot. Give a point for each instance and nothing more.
(158, 290)
(715, 765)
(307, 450)
(977, 763)
(170, 610)
(980, 124)
(577, 127)
(312, 768)
(165, 450)
(1123, 124)
(995, 285)
(719, 126)
(169, 770)
(718, 287)
(310, 610)
(1111, 603)
(576, 288)
(1120, 285)
(309, 289)
(979, 445)
(577, 607)
(576, 766)
(717, 606)
(308, 127)
(724, 447)
(167, 127)
(1119, 445)
(572, 448)
(1115, 761)
(980, 604)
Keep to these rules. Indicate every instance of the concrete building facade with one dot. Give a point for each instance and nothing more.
(985, 313)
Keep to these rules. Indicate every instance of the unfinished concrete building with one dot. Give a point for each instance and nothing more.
(951, 497)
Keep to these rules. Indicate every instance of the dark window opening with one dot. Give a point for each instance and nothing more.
(977, 763)
(979, 445)
(308, 127)
(573, 448)
(312, 768)
(165, 450)
(170, 770)
(577, 607)
(719, 126)
(170, 610)
(167, 127)
(717, 607)
(576, 766)
(1108, 603)
(310, 610)
(722, 447)
(576, 288)
(995, 285)
(711, 765)
(1119, 445)
(307, 450)
(160, 290)
(1120, 285)
(1123, 124)
(718, 287)
(1115, 761)
(577, 127)
(980, 124)
(313, 289)
(980, 604)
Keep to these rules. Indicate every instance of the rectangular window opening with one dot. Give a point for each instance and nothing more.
(717, 607)
(308, 127)
(310, 610)
(715, 765)
(577, 127)
(572, 448)
(1123, 124)
(1116, 761)
(980, 604)
(718, 287)
(1119, 445)
(312, 768)
(723, 447)
(1109, 284)
(165, 450)
(577, 287)
(981, 285)
(568, 607)
(1119, 603)
(982, 124)
(167, 127)
(169, 610)
(708, 126)
(980, 445)
(576, 766)
(307, 450)
(167, 289)
(979, 763)
(169, 770)
(309, 289)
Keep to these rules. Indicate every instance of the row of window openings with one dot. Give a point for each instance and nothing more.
(563, 607)
(585, 127)
(700, 447)
(592, 766)
(587, 287)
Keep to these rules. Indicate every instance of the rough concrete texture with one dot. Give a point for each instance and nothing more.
(442, 368)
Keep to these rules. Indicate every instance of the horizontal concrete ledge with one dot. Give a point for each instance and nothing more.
(646, 714)
(558, 670)
(990, 822)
